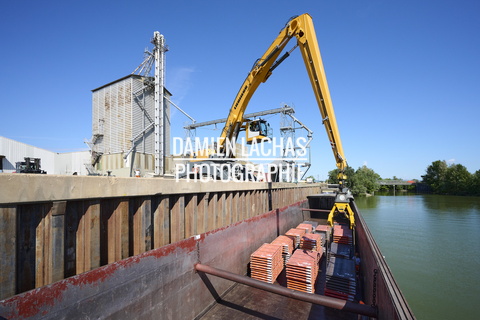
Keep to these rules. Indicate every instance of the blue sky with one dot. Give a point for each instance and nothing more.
(404, 75)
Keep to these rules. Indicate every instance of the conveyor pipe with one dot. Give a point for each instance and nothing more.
(302, 296)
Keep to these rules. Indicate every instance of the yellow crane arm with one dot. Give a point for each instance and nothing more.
(307, 41)
(302, 29)
(260, 72)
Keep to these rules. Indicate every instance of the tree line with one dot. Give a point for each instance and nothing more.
(442, 178)
(452, 179)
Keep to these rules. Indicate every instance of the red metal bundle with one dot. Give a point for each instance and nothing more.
(311, 241)
(302, 270)
(287, 247)
(342, 234)
(295, 234)
(266, 263)
(306, 226)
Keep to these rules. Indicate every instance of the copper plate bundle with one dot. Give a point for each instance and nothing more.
(266, 262)
(311, 241)
(302, 270)
(306, 226)
(325, 231)
(342, 234)
(287, 247)
(295, 234)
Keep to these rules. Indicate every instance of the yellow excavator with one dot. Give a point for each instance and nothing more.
(301, 28)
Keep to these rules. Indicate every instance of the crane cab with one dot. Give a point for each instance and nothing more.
(257, 130)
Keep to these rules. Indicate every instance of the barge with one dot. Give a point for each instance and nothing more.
(202, 277)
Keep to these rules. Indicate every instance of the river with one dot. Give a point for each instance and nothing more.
(432, 245)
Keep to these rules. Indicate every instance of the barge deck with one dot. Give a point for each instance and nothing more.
(246, 302)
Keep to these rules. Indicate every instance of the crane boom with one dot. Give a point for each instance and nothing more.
(301, 28)
(308, 44)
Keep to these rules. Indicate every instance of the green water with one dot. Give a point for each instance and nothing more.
(432, 245)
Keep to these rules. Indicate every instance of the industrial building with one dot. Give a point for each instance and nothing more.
(12, 151)
(130, 128)
(131, 120)
(123, 135)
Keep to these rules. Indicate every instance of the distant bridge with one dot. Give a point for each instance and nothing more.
(396, 182)
(420, 187)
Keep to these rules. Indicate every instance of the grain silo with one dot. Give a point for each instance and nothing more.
(131, 121)
(123, 119)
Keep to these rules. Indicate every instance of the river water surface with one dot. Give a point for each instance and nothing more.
(432, 245)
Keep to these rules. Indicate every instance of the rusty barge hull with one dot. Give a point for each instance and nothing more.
(163, 282)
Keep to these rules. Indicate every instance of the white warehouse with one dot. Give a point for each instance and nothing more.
(12, 151)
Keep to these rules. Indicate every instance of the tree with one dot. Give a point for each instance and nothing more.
(475, 186)
(453, 179)
(458, 180)
(435, 176)
(365, 181)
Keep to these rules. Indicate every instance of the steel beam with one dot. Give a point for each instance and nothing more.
(285, 109)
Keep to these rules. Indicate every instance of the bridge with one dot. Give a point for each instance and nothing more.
(396, 182)
(420, 187)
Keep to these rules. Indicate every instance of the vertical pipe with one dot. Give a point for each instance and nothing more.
(159, 125)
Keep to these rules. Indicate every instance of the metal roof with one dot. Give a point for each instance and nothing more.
(136, 76)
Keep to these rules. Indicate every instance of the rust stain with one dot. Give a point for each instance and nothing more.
(33, 302)
(30, 303)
